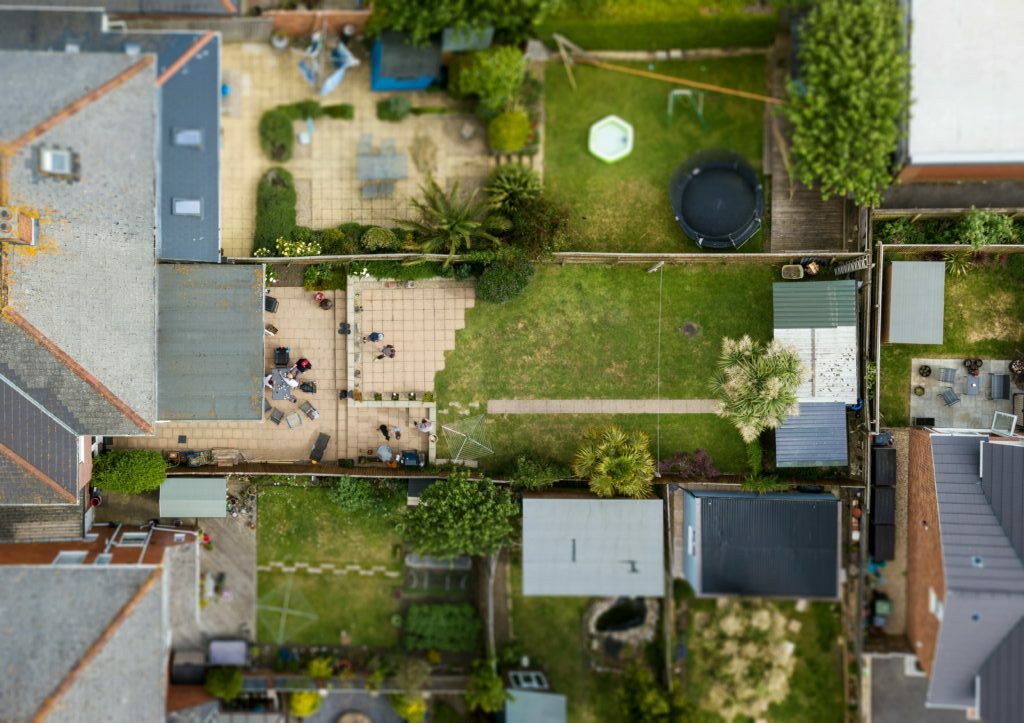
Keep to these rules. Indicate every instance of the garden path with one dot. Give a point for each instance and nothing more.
(602, 406)
(328, 568)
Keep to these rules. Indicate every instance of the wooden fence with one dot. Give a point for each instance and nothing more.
(567, 257)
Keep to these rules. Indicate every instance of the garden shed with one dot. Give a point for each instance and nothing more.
(916, 293)
(187, 497)
(816, 437)
(397, 64)
(773, 545)
(533, 706)
(580, 546)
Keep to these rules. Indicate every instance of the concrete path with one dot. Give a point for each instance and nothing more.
(602, 406)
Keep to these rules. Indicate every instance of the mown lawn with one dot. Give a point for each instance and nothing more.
(551, 632)
(591, 332)
(983, 318)
(662, 24)
(298, 524)
(816, 686)
(625, 206)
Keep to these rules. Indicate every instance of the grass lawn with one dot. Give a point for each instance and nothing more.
(550, 629)
(304, 525)
(983, 318)
(624, 206)
(816, 686)
(663, 25)
(591, 332)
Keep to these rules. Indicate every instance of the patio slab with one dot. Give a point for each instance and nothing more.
(973, 412)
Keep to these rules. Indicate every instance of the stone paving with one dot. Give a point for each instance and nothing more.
(328, 568)
(973, 412)
(325, 170)
(603, 406)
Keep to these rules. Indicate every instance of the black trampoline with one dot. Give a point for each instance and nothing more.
(717, 199)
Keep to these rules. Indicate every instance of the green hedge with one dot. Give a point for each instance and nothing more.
(509, 131)
(446, 626)
(131, 470)
(504, 280)
(341, 111)
(275, 208)
(394, 108)
(277, 137)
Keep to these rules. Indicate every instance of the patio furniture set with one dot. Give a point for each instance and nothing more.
(282, 379)
(379, 168)
(999, 387)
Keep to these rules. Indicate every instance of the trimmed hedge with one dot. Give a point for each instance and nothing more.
(504, 280)
(129, 470)
(378, 238)
(275, 209)
(394, 108)
(442, 626)
(277, 137)
(341, 111)
(508, 132)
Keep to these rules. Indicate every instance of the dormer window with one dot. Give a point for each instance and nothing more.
(187, 207)
(57, 162)
(187, 138)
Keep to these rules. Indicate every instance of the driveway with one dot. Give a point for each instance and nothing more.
(899, 698)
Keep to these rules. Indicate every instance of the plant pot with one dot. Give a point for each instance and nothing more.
(924, 370)
(919, 391)
(279, 41)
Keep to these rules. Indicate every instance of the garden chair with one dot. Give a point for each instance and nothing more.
(276, 415)
(950, 397)
(387, 189)
(365, 145)
(1000, 386)
(317, 453)
(309, 410)
(947, 375)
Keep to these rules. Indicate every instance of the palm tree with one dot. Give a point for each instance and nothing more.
(757, 385)
(615, 462)
(449, 223)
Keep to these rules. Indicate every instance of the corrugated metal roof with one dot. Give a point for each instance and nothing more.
(816, 437)
(403, 60)
(183, 497)
(775, 545)
(593, 547)
(917, 292)
(531, 706)
(210, 342)
(984, 597)
(1002, 695)
(814, 304)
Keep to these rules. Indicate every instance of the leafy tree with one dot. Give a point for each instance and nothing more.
(514, 19)
(486, 691)
(616, 462)
(536, 474)
(224, 683)
(756, 384)
(980, 227)
(509, 185)
(851, 97)
(129, 470)
(494, 76)
(449, 223)
(508, 132)
(642, 700)
(504, 280)
(461, 516)
(304, 703)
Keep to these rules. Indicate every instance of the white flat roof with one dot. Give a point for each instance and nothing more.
(967, 61)
(829, 357)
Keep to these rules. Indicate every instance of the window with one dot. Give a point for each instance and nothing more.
(691, 540)
(81, 450)
(133, 539)
(103, 558)
(56, 162)
(187, 207)
(935, 606)
(187, 137)
(69, 557)
(528, 680)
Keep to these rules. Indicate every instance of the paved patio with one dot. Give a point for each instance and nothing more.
(325, 170)
(973, 412)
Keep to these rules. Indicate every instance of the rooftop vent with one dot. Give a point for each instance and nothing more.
(187, 137)
(132, 49)
(59, 163)
(18, 228)
(187, 207)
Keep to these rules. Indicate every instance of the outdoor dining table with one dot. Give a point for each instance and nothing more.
(384, 453)
(381, 166)
(973, 386)
(281, 388)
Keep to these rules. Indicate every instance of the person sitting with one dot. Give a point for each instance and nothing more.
(425, 426)
(268, 381)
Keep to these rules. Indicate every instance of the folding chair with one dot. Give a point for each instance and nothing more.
(950, 397)
(947, 375)
(276, 415)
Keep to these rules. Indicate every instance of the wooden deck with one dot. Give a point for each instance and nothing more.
(800, 221)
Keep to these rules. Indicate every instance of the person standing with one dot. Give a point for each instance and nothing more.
(384, 430)
(373, 336)
(388, 351)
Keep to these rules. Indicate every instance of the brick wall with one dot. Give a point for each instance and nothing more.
(924, 549)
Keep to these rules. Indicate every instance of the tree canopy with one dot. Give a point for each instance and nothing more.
(616, 462)
(851, 97)
(513, 19)
(461, 516)
(129, 470)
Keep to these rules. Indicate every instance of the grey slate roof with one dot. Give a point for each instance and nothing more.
(983, 602)
(30, 523)
(36, 437)
(814, 304)
(401, 59)
(189, 99)
(90, 288)
(916, 302)
(593, 547)
(43, 635)
(211, 342)
(816, 437)
(136, 7)
(773, 545)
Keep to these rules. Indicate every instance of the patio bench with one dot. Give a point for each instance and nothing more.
(950, 397)
(276, 415)
(1000, 386)
(319, 447)
(1018, 409)
(309, 410)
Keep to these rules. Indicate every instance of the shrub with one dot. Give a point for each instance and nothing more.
(510, 185)
(304, 703)
(335, 242)
(129, 470)
(755, 456)
(689, 465)
(958, 263)
(616, 462)
(301, 110)
(409, 708)
(535, 474)
(277, 136)
(509, 131)
(540, 228)
(275, 208)
(394, 108)
(504, 280)
(494, 76)
(452, 627)
(295, 247)
(378, 498)
(444, 713)
(378, 239)
(979, 228)
(396, 270)
(320, 668)
(224, 683)
(448, 222)
(763, 484)
(641, 700)
(902, 231)
(323, 277)
(486, 691)
(342, 111)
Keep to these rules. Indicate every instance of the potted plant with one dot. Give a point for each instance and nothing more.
(412, 396)
(395, 396)
(919, 391)
(924, 370)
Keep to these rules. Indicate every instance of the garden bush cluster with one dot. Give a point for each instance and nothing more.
(453, 627)
(277, 134)
(977, 228)
(129, 470)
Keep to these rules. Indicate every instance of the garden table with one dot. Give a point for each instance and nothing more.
(381, 166)
(384, 453)
(973, 386)
(281, 389)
